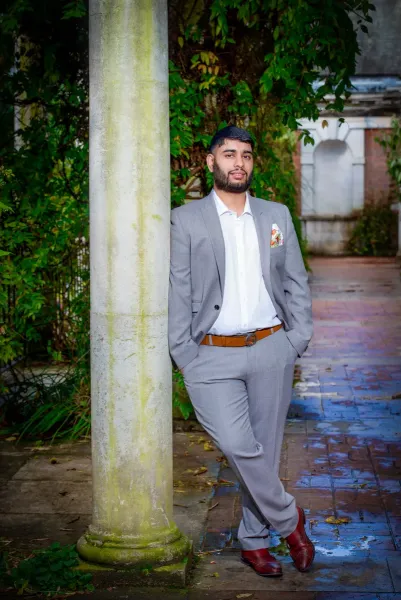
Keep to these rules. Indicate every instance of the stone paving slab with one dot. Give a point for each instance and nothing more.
(394, 564)
(55, 468)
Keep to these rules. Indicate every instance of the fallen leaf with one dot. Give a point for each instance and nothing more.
(281, 549)
(200, 470)
(208, 446)
(213, 506)
(358, 486)
(54, 461)
(11, 439)
(215, 574)
(225, 482)
(212, 562)
(201, 440)
(340, 521)
(244, 595)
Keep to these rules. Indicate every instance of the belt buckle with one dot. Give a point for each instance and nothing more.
(250, 339)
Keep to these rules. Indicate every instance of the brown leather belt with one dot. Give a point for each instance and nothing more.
(237, 341)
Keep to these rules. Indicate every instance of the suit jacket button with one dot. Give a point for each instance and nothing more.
(216, 306)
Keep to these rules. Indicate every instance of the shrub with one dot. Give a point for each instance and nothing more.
(50, 571)
(375, 232)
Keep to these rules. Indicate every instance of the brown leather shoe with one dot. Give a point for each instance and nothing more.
(262, 562)
(302, 550)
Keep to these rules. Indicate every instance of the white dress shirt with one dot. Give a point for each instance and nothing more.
(246, 302)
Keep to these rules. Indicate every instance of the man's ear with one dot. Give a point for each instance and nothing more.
(210, 162)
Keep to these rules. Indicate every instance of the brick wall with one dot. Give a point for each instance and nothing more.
(297, 165)
(377, 180)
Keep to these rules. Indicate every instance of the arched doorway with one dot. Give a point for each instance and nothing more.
(333, 178)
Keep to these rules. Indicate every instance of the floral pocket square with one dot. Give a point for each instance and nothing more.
(277, 238)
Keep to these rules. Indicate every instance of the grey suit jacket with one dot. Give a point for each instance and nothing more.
(197, 272)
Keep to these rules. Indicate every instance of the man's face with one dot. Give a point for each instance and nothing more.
(232, 166)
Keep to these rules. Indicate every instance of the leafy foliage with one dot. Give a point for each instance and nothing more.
(375, 231)
(50, 571)
(181, 402)
(277, 49)
(48, 403)
(44, 289)
(392, 146)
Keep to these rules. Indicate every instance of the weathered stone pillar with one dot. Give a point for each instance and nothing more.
(129, 249)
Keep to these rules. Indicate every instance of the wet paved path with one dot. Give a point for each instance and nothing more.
(342, 450)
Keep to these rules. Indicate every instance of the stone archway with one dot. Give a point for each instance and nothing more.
(333, 178)
(332, 182)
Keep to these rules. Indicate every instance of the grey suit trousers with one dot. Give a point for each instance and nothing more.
(241, 397)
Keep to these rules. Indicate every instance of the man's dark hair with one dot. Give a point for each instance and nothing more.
(230, 133)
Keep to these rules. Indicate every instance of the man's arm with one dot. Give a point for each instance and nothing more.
(297, 292)
(182, 347)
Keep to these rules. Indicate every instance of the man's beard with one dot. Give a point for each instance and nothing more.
(222, 182)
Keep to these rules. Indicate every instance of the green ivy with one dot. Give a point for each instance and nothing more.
(51, 571)
(391, 143)
(375, 232)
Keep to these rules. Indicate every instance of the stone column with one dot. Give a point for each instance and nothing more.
(129, 248)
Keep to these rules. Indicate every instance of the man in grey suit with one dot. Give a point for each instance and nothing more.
(239, 316)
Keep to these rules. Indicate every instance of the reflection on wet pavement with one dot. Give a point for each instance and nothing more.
(342, 450)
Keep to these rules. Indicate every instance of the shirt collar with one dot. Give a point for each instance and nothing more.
(222, 208)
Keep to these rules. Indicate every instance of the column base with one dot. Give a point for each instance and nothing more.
(156, 565)
(172, 575)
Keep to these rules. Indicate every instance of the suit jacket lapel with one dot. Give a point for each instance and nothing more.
(212, 222)
(263, 225)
